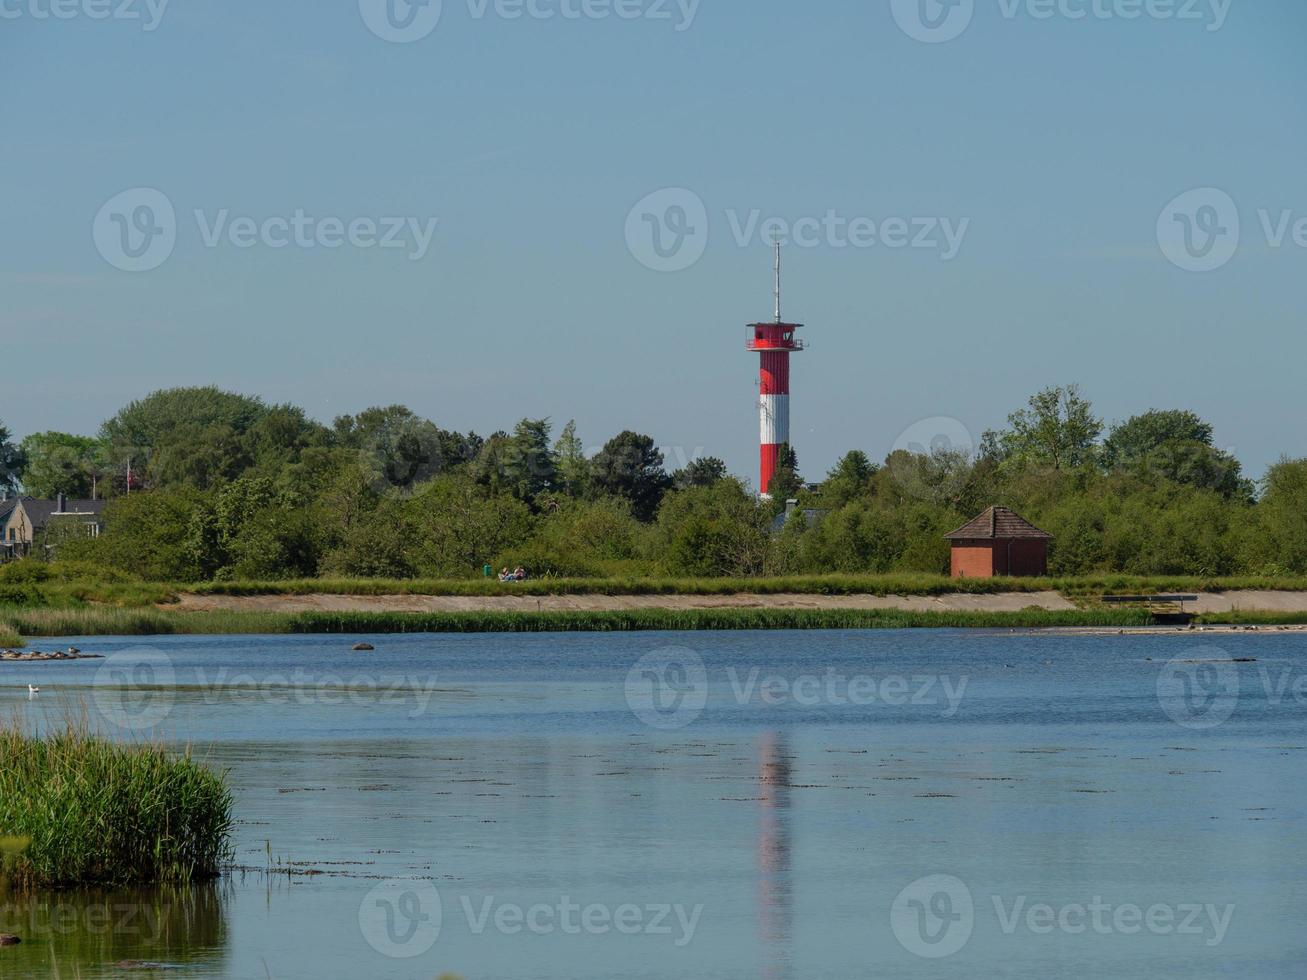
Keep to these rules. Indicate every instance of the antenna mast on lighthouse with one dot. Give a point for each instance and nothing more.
(777, 244)
(774, 342)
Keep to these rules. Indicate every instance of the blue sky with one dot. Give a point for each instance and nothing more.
(1051, 144)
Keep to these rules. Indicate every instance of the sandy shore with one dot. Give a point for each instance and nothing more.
(1287, 602)
(1007, 602)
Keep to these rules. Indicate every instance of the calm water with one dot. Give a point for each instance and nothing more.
(810, 805)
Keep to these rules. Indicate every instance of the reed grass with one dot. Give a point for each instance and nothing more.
(107, 621)
(117, 622)
(103, 813)
(96, 812)
(650, 620)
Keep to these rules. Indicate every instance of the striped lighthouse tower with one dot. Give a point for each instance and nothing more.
(774, 342)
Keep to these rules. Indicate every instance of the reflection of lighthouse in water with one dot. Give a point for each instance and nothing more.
(775, 884)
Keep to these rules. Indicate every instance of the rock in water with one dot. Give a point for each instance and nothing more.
(8, 940)
(361, 647)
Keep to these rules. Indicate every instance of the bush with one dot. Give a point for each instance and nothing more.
(33, 572)
(26, 572)
(21, 595)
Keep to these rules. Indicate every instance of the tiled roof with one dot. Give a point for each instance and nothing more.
(999, 522)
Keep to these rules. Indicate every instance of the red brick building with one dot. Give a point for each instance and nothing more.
(999, 542)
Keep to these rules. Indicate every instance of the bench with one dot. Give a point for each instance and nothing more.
(1166, 610)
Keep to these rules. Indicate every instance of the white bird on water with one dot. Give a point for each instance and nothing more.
(33, 689)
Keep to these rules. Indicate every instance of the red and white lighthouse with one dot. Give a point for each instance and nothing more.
(775, 342)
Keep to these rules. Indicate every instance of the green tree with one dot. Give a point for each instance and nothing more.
(153, 536)
(581, 539)
(201, 437)
(940, 477)
(1177, 445)
(61, 463)
(631, 467)
(363, 531)
(381, 543)
(1058, 429)
(717, 530)
(280, 436)
(573, 467)
(862, 536)
(458, 527)
(183, 436)
(260, 534)
(702, 472)
(1282, 519)
(532, 465)
(786, 481)
(400, 449)
(11, 462)
(848, 479)
(521, 465)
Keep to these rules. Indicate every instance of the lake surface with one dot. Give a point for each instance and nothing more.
(723, 805)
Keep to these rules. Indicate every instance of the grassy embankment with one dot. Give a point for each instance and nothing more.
(72, 601)
(78, 810)
(878, 585)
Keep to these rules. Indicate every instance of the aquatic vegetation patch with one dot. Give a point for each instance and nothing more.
(702, 619)
(94, 812)
(9, 637)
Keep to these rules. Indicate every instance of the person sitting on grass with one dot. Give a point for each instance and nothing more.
(505, 575)
(520, 574)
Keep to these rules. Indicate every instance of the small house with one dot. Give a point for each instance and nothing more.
(999, 542)
(27, 522)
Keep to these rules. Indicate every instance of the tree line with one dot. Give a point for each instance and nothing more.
(207, 484)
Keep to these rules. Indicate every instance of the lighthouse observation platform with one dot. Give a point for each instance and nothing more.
(763, 337)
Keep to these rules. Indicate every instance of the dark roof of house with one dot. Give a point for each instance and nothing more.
(7, 507)
(40, 511)
(1000, 523)
(810, 515)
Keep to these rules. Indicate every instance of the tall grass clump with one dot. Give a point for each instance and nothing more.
(9, 637)
(94, 812)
